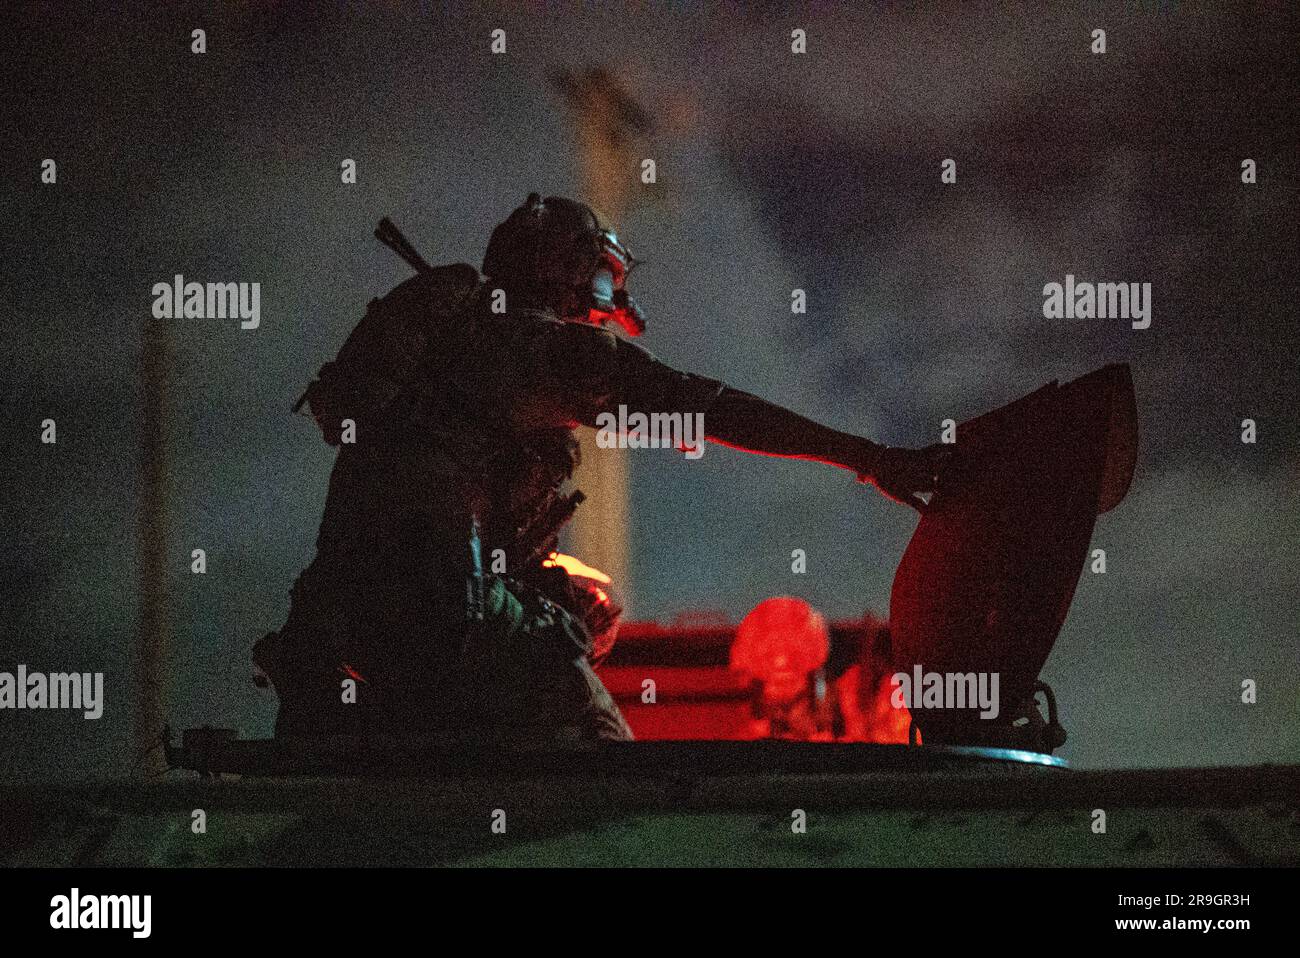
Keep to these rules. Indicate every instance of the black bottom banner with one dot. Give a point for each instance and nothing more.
(986, 907)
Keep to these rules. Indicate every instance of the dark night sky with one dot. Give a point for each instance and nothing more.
(818, 172)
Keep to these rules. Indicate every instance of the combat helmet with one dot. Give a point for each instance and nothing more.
(554, 254)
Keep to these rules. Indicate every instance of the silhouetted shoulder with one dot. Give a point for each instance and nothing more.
(383, 352)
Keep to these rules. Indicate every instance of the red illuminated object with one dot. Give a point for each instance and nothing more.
(781, 639)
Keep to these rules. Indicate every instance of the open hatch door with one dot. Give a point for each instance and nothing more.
(987, 579)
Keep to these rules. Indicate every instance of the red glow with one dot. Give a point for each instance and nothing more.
(886, 724)
(704, 694)
(781, 638)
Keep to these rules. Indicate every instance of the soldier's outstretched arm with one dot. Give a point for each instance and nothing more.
(744, 421)
(566, 373)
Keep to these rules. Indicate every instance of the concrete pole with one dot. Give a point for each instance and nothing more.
(608, 124)
(152, 547)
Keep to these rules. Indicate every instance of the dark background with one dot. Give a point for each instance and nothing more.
(775, 171)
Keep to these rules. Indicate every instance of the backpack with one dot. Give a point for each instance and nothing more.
(385, 350)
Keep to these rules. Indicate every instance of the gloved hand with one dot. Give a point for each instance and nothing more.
(904, 475)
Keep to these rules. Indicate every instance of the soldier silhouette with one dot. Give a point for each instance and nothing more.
(454, 420)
